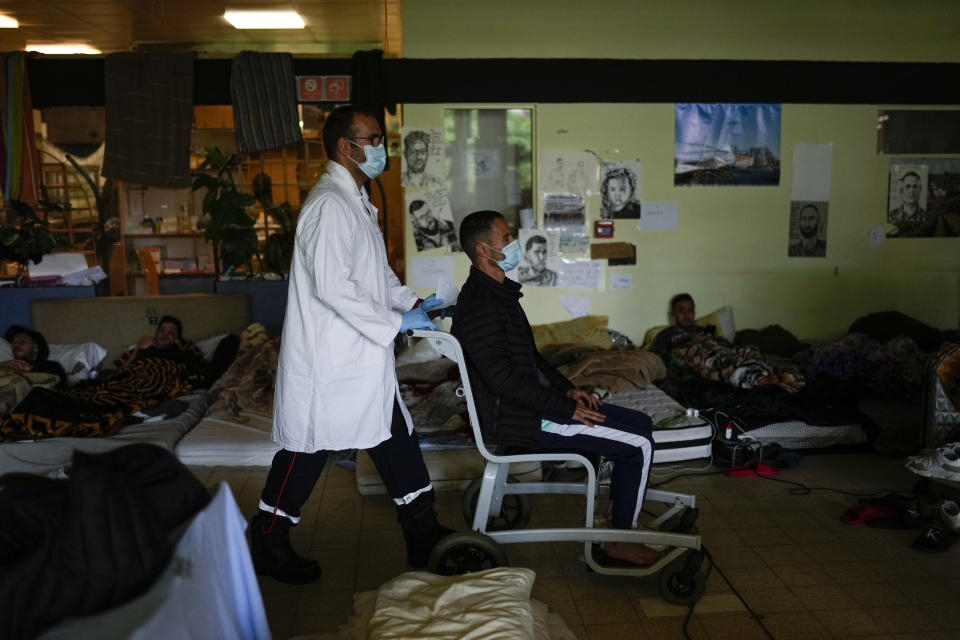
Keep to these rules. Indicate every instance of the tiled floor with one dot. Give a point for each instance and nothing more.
(799, 567)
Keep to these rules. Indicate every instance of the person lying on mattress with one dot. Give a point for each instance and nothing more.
(524, 403)
(688, 346)
(31, 353)
(168, 343)
(155, 371)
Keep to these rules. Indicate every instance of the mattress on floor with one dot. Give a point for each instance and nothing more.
(52, 454)
(225, 439)
(796, 434)
(676, 435)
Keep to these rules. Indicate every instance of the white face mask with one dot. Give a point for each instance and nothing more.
(375, 159)
(512, 254)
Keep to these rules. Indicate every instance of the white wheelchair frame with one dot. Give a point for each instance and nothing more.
(494, 486)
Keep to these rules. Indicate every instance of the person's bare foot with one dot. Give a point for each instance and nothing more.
(633, 553)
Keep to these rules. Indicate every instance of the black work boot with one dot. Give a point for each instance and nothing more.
(421, 531)
(272, 554)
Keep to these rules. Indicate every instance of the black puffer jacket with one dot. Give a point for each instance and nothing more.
(513, 386)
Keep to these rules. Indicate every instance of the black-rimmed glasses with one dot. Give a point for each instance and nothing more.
(375, 140)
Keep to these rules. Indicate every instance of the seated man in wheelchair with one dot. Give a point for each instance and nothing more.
(524, 404)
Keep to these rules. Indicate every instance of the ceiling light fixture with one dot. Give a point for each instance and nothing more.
(264, 19)
(62, 49)
(6, 22)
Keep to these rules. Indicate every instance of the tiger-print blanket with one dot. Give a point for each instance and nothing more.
(743, 367)
(102, 408)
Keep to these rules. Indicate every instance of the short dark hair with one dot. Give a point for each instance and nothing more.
(339, 124)
(416, 205)
(174, 321)
(532, 240)
(911, 173)
(475, 226)
(677, 299)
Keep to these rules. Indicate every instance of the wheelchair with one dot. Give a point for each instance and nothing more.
(498, 510)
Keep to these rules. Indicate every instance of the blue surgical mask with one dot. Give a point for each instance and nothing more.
(375, 159)
(512, 255)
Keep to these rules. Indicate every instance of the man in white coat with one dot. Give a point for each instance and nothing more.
(336, 384)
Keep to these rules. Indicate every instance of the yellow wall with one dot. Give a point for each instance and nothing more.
(731, 244)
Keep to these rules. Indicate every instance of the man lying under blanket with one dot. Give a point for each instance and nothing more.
(686, 345)
(156, 370)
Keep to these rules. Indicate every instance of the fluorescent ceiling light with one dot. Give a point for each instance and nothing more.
(6, 22)
(264, 19)
(62, 49)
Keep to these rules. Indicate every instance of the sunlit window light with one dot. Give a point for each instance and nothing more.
(6, 22)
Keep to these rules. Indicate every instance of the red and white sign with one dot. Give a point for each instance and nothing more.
(336, 88)
(310, 88)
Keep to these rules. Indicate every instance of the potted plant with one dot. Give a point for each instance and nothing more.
(228, 227)
(278, 249)
(25, 237)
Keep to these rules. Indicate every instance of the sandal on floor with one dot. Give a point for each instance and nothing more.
(934, 539)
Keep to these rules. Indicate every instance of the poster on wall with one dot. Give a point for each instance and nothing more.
(808, 229)
(564, 211)
(422, 158)
(924, 198)
(539, 266)
(620, 190)
(568, 172)
(726, 144)
(432, 220)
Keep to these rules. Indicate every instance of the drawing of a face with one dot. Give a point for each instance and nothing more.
(537, 255)
(424, 221)
(809, 221)
(910, 189)
(618, 193)
(416, 152)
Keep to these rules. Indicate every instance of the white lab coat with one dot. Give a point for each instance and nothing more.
(336, 381)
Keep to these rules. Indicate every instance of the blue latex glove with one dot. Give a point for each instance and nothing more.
(431, 302)
(416, 319)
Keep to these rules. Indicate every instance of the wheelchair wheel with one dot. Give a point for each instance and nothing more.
(466, 552)
(676, 588)
(515, 510)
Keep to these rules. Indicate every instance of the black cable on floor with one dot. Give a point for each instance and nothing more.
(803, 490)
(753, 614)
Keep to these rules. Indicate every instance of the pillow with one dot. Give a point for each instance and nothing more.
(588, 329)
(722, 319)
(78, 360)
(6, 352)
(651, 335)
(209, 346)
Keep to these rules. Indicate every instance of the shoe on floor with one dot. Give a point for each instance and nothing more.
(273, 555)
(934, 539)
(949, 515)
(942, 462)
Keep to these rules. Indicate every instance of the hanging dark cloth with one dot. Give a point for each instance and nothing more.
(264, 97)
(149, 115)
